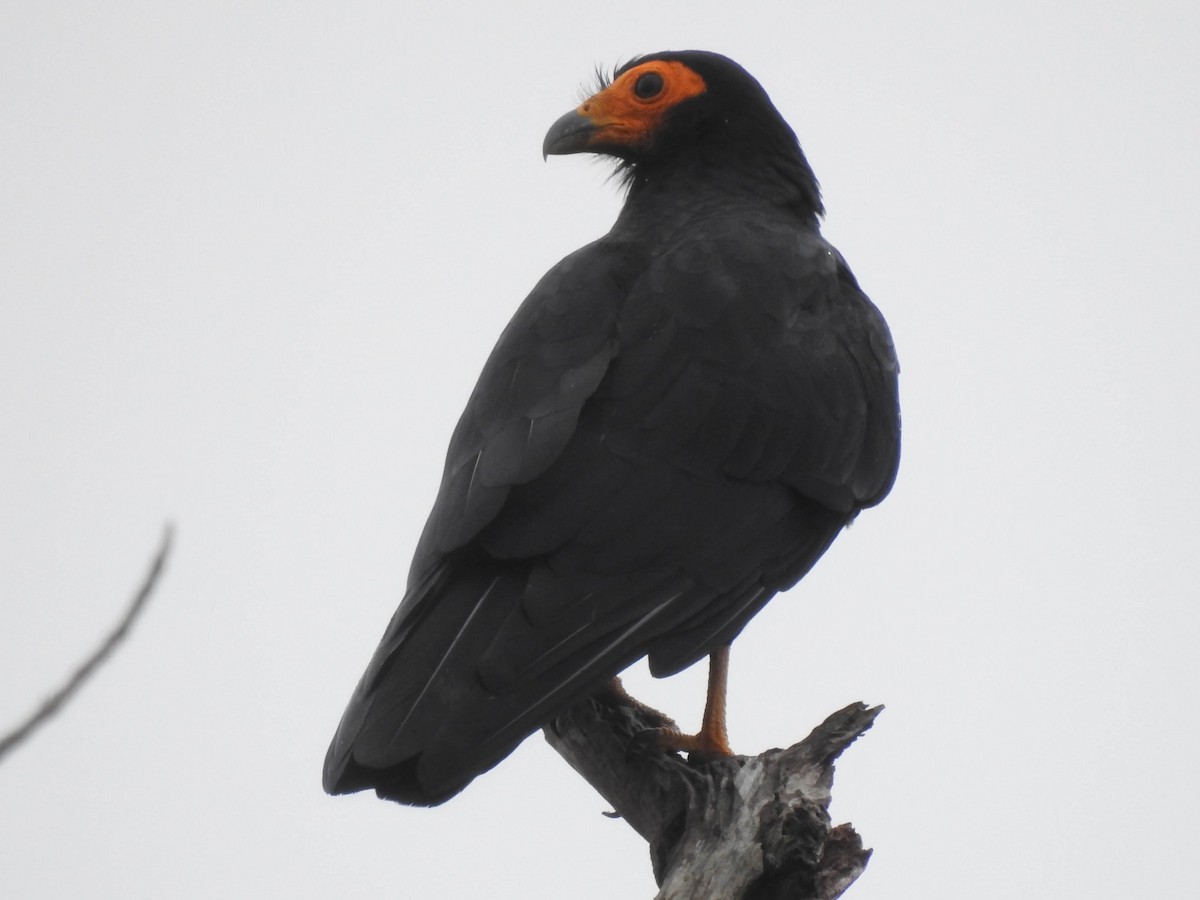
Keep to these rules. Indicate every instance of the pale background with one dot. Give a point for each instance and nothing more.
(252, 256)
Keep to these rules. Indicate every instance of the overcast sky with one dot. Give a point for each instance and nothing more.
(252, 256)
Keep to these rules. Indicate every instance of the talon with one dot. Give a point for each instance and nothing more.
(702, 747)
(711, 742)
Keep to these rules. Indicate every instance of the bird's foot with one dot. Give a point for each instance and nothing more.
(614, 692)
(702, 747)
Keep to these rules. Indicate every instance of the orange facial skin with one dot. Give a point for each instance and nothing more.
(623, 116)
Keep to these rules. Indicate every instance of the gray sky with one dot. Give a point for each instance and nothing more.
(252, 257)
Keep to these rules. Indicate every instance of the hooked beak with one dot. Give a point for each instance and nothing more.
(570, 134)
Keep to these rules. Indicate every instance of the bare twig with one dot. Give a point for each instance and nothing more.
(56, 701)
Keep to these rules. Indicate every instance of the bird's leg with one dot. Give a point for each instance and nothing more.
(712, 741)
(713, 738)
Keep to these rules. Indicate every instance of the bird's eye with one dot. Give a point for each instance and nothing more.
(649, 85)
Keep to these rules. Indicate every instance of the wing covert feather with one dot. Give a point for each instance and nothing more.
(524, 408)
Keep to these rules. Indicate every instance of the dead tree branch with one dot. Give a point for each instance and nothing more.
(744, 828)
(56, 701)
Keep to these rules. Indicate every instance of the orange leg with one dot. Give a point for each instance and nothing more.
(712, 742)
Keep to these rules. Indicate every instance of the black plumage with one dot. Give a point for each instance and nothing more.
(675, 425)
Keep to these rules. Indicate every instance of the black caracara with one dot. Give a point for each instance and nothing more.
(674, 427)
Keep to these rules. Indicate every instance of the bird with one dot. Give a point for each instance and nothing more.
(675, 425)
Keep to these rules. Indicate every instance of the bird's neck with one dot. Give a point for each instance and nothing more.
(784, 182)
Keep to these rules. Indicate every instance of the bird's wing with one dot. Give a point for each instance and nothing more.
(520, 417)
(750, 413)
(526, 404)
(750, 365)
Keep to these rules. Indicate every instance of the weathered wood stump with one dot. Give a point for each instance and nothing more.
(742, 828)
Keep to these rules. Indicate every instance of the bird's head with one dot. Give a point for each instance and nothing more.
(691, 110)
